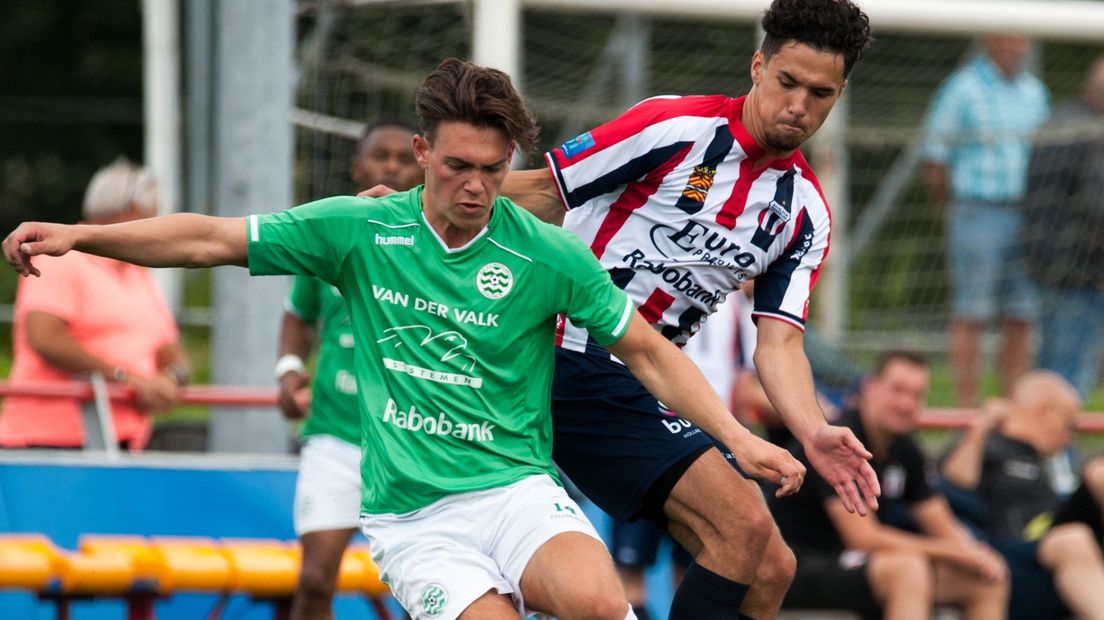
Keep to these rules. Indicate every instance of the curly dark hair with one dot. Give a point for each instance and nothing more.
(836, 26)
(461, 91)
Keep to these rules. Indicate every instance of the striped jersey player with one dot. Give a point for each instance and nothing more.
(675, 201)
(682, 200)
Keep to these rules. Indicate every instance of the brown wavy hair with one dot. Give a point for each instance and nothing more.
(459, 91)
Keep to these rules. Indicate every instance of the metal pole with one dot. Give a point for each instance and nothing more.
(161, 83)
(252, 170)
(496, 36)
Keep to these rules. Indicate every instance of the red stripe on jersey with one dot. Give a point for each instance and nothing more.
(657, 304)
(561, 324)
(737, 201)
(644, 114)
(634, 197)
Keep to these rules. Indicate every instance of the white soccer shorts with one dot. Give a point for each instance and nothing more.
(441, 558)
(327, 491)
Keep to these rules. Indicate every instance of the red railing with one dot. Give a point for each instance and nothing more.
(935, 418)
(224, 395)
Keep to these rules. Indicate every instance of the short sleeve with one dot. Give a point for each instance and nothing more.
(626, 149)
(312, 239)
(942, 122)
(782, 292)
(593, 301)
(304, 298)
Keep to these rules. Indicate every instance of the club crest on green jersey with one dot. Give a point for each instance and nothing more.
(434, 599)
(494, 280)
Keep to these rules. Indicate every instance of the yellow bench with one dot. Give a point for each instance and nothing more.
(139, 569)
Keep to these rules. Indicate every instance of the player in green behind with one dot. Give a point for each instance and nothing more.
(327, 491)
(453, 293)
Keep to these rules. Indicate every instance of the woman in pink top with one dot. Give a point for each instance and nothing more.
(88, 314)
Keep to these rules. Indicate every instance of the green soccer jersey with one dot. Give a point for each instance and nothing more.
(333, 408)
(454, 347)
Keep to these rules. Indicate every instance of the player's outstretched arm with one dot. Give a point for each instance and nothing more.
(535, 191)
(834, 451)
(178, 240)
(674, 379)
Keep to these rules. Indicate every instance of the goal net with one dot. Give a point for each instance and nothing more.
(361, 60)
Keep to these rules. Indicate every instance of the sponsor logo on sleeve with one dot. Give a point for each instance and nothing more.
(577, 145)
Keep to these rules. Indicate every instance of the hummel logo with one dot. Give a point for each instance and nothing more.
(394, 240)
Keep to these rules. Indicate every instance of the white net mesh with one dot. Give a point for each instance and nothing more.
(362, 61)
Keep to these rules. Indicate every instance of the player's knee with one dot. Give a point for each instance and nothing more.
(316, 583)
(752, 528)
(777, 569)
(1069, 542)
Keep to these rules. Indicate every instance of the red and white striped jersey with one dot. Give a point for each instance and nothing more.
(669, 198)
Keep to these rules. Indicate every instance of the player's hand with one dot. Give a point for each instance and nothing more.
(294, 395)
(378, 191)
(765, 460)
(993, 413)
(983, 561)
(840, 458)
(154, 394)
(34, 238)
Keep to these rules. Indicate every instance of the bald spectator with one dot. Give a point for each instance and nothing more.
(1064, 234)
(88, 314)
(1052, 547)
(977, 149)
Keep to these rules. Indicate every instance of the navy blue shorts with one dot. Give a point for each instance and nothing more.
(636, 545)
(622, 449)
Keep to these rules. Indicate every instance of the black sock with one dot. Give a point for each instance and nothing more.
(705, 594)
(641, 612)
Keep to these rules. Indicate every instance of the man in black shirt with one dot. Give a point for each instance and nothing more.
(1057, 568)
(915, 554)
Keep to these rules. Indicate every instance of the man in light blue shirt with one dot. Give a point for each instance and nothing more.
(977, 149)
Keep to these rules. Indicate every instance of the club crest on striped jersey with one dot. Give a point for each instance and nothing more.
(494, 280)
(697, 186)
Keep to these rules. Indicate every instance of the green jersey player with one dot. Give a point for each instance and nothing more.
(454, 295)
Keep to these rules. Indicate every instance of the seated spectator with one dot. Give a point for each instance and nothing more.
(1057, 568)
(914, 553)
(88, 314)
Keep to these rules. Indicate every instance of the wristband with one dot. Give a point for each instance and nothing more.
(289, 363)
